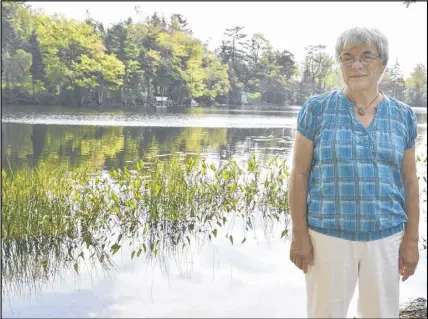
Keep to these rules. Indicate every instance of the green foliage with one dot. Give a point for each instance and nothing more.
(393, 82)
(417, 86)
(37, 68)
(17, 71)
(53, 217)
(130, 63)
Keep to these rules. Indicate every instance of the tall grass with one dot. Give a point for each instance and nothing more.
(53, 218)
(39, 225)
(161, 206)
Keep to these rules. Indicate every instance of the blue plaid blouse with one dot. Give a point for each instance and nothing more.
(355, 189)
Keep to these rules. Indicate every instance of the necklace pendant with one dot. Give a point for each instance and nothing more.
(361, 111)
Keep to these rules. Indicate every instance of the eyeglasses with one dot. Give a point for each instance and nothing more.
(349, 60)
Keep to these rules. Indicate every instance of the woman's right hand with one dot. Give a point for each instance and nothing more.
(301, 250)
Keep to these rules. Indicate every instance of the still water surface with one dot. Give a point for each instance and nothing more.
(255, 279)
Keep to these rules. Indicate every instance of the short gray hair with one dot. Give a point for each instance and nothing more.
(362, 35)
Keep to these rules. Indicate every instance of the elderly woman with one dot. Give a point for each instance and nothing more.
(353, 192)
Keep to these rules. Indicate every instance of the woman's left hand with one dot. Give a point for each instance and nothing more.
(409, 258)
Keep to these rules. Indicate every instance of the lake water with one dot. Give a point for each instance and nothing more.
(254, 279)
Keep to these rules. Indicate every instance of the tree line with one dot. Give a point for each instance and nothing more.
(51, 60)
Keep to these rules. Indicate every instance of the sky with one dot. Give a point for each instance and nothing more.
(287, 25)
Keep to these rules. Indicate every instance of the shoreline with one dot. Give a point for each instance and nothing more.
(416, 308)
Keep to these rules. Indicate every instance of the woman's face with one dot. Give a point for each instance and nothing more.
(361, 67)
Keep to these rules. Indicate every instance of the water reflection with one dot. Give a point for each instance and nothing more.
(111, 147)
(220, 134)
(129, 136)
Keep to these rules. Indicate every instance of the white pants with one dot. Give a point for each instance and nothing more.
(338, 263)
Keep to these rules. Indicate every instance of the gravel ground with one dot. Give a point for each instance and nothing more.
(416, 308)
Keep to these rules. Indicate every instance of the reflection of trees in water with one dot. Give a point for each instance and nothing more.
(259, 140)
(65, 143)
(99, 146)
(38, 138)
(111, 147)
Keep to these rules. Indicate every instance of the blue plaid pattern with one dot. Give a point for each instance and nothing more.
(355, 190)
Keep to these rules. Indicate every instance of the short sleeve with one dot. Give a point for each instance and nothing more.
(412, 129)
(307, 119)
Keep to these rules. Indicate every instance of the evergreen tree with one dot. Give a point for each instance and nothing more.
(37, 68)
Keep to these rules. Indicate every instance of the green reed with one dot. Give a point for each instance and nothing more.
(55, 219)
(39, 224)
(164, 204)
(37, 203)
(156, 207)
